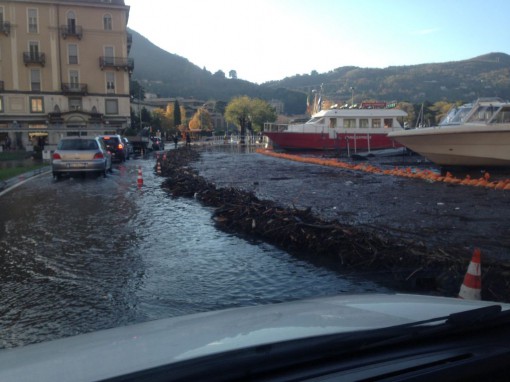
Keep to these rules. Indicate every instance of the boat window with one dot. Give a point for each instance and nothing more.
(456, 115)
(315, 120)
(388, 122)
(376, 123)
(332, 123)
(483, 113)
(349, 123)
(503, 116)
(363, 123)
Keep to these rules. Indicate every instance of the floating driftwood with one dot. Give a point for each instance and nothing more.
(412, 265)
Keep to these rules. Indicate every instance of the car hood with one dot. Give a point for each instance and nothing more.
(119, 351)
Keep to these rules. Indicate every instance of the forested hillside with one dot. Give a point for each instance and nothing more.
(169, 75)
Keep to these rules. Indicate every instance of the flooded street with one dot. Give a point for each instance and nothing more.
(84, 254)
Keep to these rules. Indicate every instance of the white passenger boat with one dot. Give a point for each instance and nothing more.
(351, 129)
(475, 134)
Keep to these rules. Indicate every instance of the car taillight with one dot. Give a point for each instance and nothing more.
(121, 146)
(98, 156)
(56, 156)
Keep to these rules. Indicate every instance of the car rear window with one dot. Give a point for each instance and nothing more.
(111, 141)
(78, 144)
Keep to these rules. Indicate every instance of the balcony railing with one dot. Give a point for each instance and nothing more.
(117, 63)
(74, 88)
(5, 28)
(71, 31)
(34, 58)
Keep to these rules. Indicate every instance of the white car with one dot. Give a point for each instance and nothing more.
(340, 338)
(81, 155)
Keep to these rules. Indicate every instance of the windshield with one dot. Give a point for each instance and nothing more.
(138, 185)
(456, 115)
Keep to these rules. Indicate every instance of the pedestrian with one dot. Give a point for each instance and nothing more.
(188, 140)
(176, 140)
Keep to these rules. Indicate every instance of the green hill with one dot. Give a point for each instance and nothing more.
(170, 75)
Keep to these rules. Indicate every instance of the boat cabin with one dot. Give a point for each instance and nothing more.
(360, 121)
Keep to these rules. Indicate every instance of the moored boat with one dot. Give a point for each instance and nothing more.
(474, 135)
(351, 129)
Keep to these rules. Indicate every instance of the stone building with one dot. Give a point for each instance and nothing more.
(64, 69)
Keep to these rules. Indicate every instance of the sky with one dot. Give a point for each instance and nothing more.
(268, 40)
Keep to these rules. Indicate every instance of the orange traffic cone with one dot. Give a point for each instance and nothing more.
(471, 288)
(140, 179)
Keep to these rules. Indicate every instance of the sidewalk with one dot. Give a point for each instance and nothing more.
(7, 185)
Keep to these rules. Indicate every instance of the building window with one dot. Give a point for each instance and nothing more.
(107, 22)
(36, 105)
(363, 123)
(1, 104)
(75, 104)
(108, 55)
(35, 80)
(74, 79)
(71, 22)
(110, 82)
(112, 106)
(376, 123)
(33, 47)
(73, 54)
(32, 21)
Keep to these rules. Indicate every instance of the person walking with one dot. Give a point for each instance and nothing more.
(188, 140)
(176, 140)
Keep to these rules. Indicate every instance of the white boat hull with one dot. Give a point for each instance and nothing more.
(463, 145)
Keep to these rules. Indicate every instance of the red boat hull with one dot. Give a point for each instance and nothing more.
(317, 141)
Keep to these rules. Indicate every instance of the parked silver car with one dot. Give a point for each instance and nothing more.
(81, 154)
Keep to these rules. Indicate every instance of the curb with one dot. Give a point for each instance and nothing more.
(12, 183)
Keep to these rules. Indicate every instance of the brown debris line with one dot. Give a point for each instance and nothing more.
(413, 265)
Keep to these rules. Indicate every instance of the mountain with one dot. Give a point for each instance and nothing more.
(170, 75)
(483, 76)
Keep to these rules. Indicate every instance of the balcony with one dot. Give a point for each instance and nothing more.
(74, 88)
(34, 58)
(5, 28)
(75, 31)
(117, 63)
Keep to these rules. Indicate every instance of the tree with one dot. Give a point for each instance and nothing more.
(249, 113)
(219, 107)
(146, 116)
(233, 74)
(177, 113)
(136, 91)
(219, 74)
(201, 121)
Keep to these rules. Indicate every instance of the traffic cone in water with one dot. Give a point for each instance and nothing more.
(471, 288)
(140, 179)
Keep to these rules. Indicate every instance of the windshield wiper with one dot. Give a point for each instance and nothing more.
(473, 319)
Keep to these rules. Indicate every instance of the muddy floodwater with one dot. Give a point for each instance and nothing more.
(85, 254)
